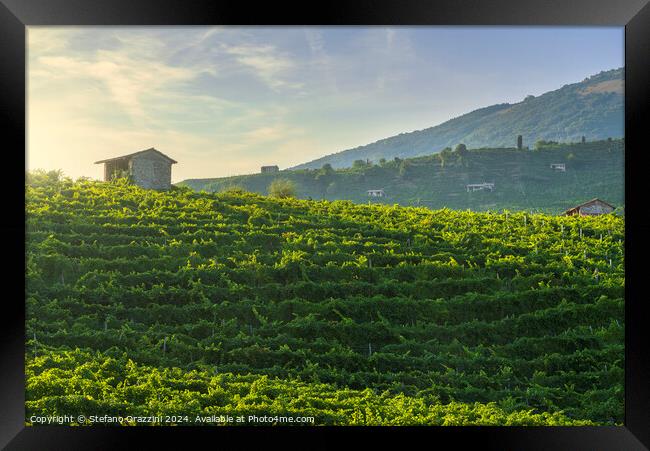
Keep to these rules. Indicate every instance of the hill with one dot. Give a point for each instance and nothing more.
(592, 108)
(194, 304)
(523, 180)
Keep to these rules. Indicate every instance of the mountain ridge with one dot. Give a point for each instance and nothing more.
(592, 108)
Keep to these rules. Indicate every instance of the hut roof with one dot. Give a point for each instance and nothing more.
(589, 202)
(131, 155)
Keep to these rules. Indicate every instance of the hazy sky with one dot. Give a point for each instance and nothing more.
(227, 100)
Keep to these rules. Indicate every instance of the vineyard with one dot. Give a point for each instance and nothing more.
(524, 179)
(148, 303)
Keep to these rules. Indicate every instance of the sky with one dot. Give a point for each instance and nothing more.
(226, 100)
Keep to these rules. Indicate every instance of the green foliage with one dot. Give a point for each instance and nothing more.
(41, 178)
(404, 168)
(361, 314)
(122, 177)
(445, 156)
(282, 188)
(461, 149)
(524, 180)
(90, 383)
(233, 189)
(542, 144)
(360, 164)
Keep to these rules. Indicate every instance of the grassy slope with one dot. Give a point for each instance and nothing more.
(439, 306)
(524, 180)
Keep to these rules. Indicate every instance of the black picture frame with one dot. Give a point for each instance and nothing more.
(15, 15)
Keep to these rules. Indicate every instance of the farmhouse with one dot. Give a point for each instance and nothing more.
(266, 169)
(561, 167)
(591, 208)
(375, 193)
(480, 187)
(148, 168)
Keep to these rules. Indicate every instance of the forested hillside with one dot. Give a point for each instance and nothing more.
(523, 179)
(592, 108)
(185, 303)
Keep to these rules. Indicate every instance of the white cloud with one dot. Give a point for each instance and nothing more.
(136, 90)
(42, 40)
(222, 100)
(128, 78)
(267, 62)
(86, 105)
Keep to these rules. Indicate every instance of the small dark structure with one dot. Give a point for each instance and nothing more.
(520, 142)
(266, 169)
(148, 168)
(593, 207)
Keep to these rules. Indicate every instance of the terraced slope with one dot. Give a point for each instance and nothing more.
(523, 180)
(149, 303)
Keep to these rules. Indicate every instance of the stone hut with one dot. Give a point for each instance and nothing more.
(591, 208)
(148, 168)
(265, 169)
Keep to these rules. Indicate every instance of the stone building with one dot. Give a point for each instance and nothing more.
(266, 169)
(375, 193)
(591, 208)
(148, 168)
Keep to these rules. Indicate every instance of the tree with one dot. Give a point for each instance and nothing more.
(40, 177)
(327, 168)
(542, 143)
(325, 173)
(444, 156)
(325, 176)
(461, 155)
(382, 162)
(404, 168)
(359, 164)
(282, 188)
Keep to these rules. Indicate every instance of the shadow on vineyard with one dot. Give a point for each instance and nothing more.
(159, 303)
